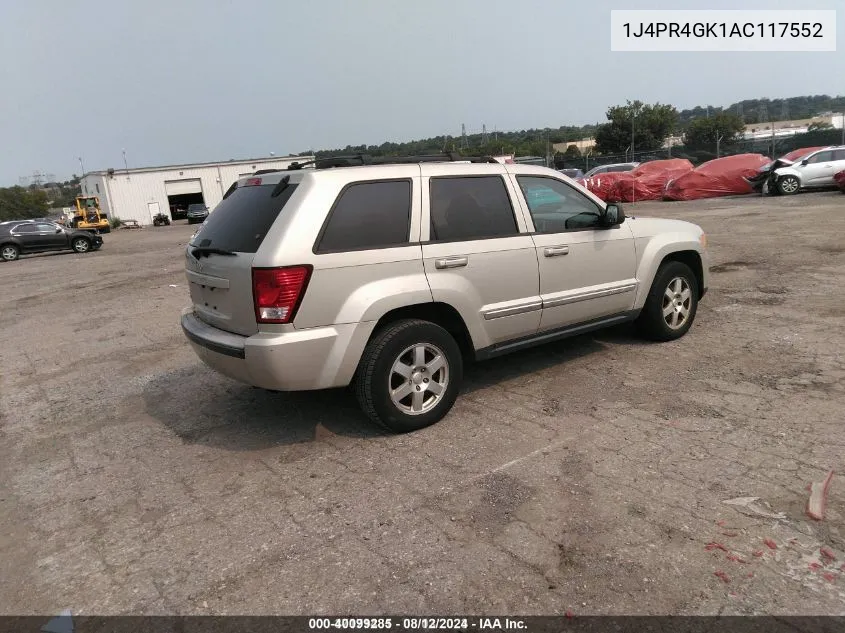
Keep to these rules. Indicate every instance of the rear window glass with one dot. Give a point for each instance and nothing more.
(369, 215)
(240, 222)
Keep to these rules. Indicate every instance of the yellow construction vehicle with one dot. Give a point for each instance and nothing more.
(88, 217)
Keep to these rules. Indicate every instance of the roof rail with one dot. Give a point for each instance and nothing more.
(358, 160)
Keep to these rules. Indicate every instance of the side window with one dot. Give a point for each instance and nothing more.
(25, 228)
(368, 215)
(46, 228)
(557, 207)
(839, 154)
(821, 157)
(470, 208)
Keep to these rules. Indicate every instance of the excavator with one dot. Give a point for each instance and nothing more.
(87, 215)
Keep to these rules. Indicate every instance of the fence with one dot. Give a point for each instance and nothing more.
(772, 147)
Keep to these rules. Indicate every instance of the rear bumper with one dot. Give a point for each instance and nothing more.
(299, 360)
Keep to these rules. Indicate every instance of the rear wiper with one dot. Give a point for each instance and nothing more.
(199, 251)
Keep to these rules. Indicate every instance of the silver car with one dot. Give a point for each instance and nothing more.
(814, 170)
(389, 277)
(605, 169)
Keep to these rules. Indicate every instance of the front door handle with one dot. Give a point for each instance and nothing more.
(451, 262)
(556, 251)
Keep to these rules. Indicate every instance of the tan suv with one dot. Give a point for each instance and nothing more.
(391, 274)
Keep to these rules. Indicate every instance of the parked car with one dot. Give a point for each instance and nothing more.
(389, 274)
(816, 169)
(605, 169)
(19, 237)
(197, 213)
(572, 173)
(764, 179)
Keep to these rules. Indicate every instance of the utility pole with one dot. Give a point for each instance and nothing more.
(719, 138)
(81, 166)
(633, 119)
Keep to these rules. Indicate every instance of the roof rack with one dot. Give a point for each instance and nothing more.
(358, 160)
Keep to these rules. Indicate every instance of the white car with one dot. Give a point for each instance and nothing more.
(606, 169)
(814, 170)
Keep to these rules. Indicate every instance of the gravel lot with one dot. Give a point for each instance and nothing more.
(588, 475)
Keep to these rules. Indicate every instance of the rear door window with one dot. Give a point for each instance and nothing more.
(368, 215)
(470, 208)
(25, 228)
(821, 157)
(241, 221)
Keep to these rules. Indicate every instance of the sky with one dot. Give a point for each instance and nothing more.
(203, 80)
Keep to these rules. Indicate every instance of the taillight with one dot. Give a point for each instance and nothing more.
(277, 292)
(252, 182)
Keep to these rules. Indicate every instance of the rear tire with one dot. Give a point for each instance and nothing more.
(9, 252)
(81, 245)
(409, 375)
(671, 304)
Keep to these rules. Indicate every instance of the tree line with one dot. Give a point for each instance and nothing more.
(21, 203)
(701, 127)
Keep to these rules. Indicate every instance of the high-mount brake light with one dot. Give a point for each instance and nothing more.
(252, 182)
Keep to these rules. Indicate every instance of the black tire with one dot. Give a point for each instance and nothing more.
(788, 185)
(375, 376)
(9, 252)
(651, 323)
(81, 245)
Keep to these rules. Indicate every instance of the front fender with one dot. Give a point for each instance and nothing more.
(654, 250)
(789, 171)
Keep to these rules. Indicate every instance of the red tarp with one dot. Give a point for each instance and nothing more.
(648, 181)
(840, 180)
(603, 184)
(719, 177)
(798, 153)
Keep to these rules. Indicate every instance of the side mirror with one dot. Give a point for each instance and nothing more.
(805, 162)
(613, 215)
(58, 229)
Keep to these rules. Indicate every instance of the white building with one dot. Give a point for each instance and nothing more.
(139, 194)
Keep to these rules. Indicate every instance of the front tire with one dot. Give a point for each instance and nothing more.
(409, 375)
(10, 252)
(787, 185)
(81, 245)
(671, 303)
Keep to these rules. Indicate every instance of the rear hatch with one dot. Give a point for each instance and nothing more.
(220, 255)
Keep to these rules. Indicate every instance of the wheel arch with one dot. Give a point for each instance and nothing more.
(437, 312)
(670, 248)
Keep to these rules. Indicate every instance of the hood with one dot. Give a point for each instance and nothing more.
(649, 227)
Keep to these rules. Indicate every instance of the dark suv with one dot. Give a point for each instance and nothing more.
(34, 236)
(197, 213)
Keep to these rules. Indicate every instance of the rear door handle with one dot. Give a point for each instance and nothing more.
(556, 251)
(451, 262)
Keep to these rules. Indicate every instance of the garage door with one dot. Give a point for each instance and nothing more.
(181, 187)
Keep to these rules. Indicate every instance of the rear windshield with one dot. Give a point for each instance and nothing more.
(241, 221)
